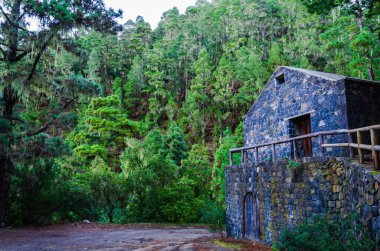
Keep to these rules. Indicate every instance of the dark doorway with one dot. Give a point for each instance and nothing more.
(301, 126)
(251, 218)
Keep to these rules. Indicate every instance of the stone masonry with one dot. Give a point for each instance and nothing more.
(297, 102)
(324, 185)
(332, 101)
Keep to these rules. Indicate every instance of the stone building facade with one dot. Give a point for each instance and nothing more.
(264, 198)
(298, 101)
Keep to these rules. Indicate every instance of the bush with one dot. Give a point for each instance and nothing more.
(294, 165)
(214, 215)
(179, 203)
(322, 233)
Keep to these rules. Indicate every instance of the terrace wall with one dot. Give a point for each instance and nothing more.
(284, 199)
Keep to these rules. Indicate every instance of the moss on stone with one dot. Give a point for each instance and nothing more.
(235, 246)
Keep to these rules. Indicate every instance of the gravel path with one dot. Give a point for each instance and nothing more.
(106, 237)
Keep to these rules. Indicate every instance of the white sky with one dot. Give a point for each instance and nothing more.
(151, 10)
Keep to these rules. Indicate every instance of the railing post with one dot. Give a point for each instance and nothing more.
(257, 155)
(231, 162)
(295, 149)
(349, 147)
(248, 157)
(321, 143)
(242, 162)
(375, 154)
(360, 150)
(274, 152)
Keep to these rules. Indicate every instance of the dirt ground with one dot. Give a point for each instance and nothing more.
(142, 237)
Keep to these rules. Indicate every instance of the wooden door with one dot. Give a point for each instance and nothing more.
(251, 223)
(306, 129)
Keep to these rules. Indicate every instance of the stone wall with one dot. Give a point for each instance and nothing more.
(269, 118)
(324, 185)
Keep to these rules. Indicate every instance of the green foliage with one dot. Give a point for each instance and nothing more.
(294, 165)
(197, 167)
(227, 142)
(214, 215)
(176, 143)
(320, 6)
(102, 130)
(322, 233)
(109, 190)
(33, 193)
(148, 169)
(179, 203)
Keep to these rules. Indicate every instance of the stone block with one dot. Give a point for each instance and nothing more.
(336, 188)
(334, 179)
(338, 204)
(331, 204)
(335, 196)
(370, 199)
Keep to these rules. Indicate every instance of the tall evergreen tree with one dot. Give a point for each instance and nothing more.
(22, 51)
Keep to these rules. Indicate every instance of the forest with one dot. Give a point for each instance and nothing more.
(125, 123)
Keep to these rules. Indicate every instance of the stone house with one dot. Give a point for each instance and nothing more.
(263, 196)
(299, 101)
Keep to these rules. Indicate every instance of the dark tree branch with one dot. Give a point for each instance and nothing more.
(5, 15)
(21, 55)
(38, 57)
(18, 119)
(49, 124)
(12, 22)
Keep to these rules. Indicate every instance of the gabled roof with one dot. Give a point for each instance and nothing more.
(330, 76)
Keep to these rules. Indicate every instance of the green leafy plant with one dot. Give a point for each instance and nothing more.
(294, 166)
(324, 233)
(214, 215)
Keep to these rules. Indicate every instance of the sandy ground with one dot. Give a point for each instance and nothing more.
(143, 237)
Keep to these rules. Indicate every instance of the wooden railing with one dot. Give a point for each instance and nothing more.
(374, 147)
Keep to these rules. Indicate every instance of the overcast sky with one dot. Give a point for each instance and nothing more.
(151, 10)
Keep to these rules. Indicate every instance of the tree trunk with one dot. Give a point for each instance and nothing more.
(110, 214)
(6, 164)
(5, 167)
(371, 73)
(360, 20)
(9, 99)
(263, 40)
(359, 15)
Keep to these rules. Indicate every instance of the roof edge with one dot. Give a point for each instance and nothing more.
(329, 76)
(360, 80)
(320, 74)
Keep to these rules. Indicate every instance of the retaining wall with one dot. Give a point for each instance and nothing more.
(284, 199)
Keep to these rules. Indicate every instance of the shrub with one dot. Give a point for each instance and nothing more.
(179, 203)
(214, 215)
(294, 165)
(322, 233)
